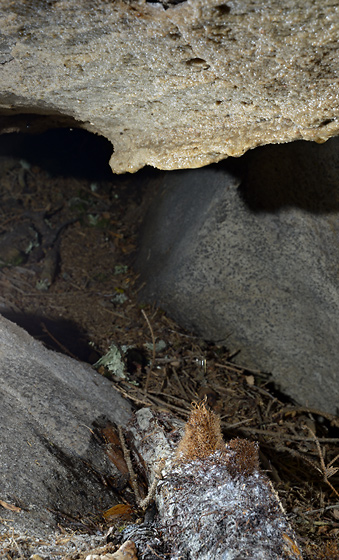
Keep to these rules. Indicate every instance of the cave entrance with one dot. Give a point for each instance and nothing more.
(68, 230)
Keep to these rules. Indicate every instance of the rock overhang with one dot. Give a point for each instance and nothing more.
(174, 84)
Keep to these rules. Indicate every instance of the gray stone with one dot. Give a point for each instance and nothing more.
(249, 259)
(51, 465)
(172, 84)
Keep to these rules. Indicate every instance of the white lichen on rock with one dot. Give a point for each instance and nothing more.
(213, 501)
(209, 513)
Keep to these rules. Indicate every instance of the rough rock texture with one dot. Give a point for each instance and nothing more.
(172, 83)
(51, 464)
(253, 263)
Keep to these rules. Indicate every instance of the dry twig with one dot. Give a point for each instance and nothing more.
(326, 470)
(127, 457)
(142, 503)
(150, 368)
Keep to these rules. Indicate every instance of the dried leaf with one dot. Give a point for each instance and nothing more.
(114, 450)
(292, 548)
(120, 510)
(127, 551)
(9, 506)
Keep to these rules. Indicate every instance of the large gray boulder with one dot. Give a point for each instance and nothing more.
(172, 83)
(250, 260)
(51, 466)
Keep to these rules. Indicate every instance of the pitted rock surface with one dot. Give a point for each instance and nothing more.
(172, 84)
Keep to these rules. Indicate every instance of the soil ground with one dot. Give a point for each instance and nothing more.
(68, 235)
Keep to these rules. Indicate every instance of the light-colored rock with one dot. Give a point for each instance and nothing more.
(177, 87)
(253, 262)
(51, 464)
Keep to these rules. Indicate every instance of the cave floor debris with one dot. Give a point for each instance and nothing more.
(66, 255)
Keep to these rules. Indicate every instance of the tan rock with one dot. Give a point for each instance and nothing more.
(172, 84)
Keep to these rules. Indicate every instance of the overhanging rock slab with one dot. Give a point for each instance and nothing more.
(172, 84)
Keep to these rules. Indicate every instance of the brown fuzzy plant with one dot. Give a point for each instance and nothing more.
(202, 436)
(245, 457)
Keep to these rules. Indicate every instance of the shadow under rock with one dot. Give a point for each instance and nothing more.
(296, 175)
(62, 152)
(56, 334)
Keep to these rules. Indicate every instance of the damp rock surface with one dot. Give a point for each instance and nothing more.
(172, 84)
(52, 469)
(248, 258)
